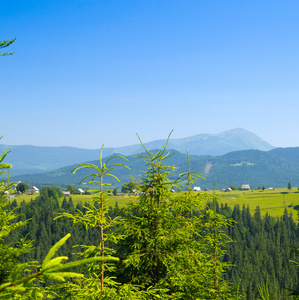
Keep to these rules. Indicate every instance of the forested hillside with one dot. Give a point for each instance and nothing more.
(273, 168)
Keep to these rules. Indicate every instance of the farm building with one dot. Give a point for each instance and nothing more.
(79, 191)
(197, 188)
(245, 187)
(33, 190)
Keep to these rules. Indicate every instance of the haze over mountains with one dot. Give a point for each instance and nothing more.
(35, 159)
(233, 157)
(273, 168)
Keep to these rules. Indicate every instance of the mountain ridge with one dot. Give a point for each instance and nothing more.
(27, 159)
(273, 168)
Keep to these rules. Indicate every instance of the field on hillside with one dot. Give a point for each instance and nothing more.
(271, 201)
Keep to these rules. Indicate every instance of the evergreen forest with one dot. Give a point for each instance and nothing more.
(164, 246)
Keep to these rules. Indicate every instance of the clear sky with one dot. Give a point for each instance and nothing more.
(93, 72)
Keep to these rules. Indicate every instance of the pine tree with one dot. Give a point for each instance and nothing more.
(167, 244)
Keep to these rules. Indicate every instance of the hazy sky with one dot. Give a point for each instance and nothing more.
(88, 72)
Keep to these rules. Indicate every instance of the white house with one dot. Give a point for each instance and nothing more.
(197, 188)
(33, 190)
(245, 187)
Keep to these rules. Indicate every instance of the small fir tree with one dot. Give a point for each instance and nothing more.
(95, 216)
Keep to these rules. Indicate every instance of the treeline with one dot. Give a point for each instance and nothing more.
(261, 252)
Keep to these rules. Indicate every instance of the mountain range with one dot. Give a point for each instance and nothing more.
(28, 159)
(233, 157)
(274, 168)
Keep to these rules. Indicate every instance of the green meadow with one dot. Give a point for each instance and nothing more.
(122, 200)
(272, 201)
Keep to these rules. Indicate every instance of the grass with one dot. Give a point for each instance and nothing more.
(122, 200)
(20, 197)
(272, 201)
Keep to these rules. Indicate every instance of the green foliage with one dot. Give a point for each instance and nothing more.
(22, 187)
(51, 268)
(71, 189)
(8, 253)
(128, 187)
(115, 192)
(264, 239)
(18, 280)
(166, 243)
(95, 216)
(289, 186)
(264, 292)
(4, 44)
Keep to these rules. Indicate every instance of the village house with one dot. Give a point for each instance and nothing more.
(33, 190)
(245, 187)
(79, 191)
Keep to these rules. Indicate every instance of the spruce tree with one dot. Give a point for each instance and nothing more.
(169, 243)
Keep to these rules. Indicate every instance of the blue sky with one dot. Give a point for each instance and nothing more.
(92, 72)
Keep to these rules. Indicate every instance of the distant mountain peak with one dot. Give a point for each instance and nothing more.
(33, 159)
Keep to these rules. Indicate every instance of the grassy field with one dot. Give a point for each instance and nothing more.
(271, 201)
(121, 200)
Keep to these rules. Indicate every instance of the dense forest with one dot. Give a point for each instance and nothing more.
(163, 246)
(259, 252)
